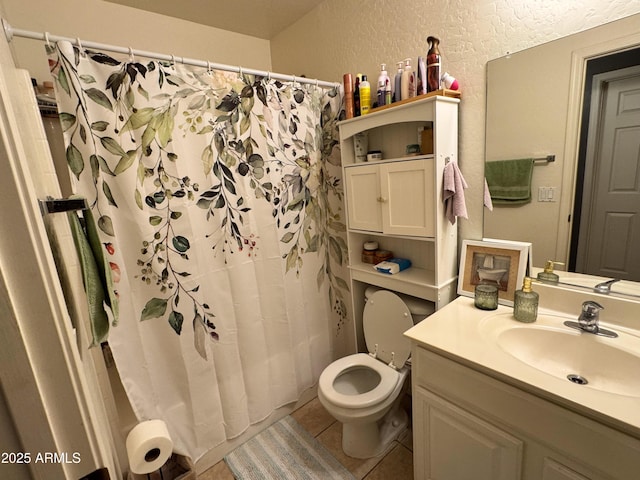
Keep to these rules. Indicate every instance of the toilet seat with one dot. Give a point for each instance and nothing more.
(388, 381)
(384, 320)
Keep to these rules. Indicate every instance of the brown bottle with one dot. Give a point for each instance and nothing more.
(433, 65)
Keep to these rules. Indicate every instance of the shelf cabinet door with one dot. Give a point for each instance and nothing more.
(408, 196)
(454, 444)
(363, 197)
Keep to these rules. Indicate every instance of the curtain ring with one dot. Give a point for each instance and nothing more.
(46, 38)
(209, 68)
(240, 72)
(79, 43)
(268, 76)
(173, 59)
(293, 83)
(317, 83)
(131, 56)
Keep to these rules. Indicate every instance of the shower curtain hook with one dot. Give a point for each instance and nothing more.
(208, 68)
(46, 38)
(240, 72)
(131, 56)
(317, 83)
(293, 83)
(173, 59)
(268, 76)
(79, 43)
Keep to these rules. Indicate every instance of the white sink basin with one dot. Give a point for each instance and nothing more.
(607, 364)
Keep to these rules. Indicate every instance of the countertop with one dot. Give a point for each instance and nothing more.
(455, 331)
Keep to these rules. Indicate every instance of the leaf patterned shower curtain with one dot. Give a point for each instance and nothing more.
(217, 204)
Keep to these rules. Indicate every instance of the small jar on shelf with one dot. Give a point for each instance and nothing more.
(369, 252)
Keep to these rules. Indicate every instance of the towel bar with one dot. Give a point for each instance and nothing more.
(52, 205)
(547, 159)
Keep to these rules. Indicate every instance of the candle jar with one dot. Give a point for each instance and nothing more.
(486, 297)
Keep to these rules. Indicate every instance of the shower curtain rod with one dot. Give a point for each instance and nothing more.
(11, 32)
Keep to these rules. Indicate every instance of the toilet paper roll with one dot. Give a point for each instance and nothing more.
(149, 446)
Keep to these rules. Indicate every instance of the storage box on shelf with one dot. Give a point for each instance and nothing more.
(397, 201)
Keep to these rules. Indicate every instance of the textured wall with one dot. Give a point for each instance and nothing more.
(354, 36)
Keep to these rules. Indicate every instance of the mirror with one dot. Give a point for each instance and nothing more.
(535, 109)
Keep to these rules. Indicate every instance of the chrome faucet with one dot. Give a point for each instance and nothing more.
(605, 287)
(588, 320)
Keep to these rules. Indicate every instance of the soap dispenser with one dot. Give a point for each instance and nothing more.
(383, 83)
(407, 81)
(547, 275)
(525, 303)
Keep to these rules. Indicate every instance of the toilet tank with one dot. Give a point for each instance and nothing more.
(419, 308)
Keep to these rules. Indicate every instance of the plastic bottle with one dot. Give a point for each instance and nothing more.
(365, 96)
(422, 76)
(387, 92)
(407, 75)
(383, 78)
(348, 95)
(397, 84)
(433, 65)
(356, 96)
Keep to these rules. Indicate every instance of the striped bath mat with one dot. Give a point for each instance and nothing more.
(285, 451)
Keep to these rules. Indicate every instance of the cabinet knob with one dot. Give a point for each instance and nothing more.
(382, 200)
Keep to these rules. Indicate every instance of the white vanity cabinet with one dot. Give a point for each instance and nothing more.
(468, 424)
(397, 201)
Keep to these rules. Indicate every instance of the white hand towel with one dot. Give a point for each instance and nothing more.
(453, 192)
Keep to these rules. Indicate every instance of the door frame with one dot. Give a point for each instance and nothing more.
(47, 379)
(589, 166)
(594, 79)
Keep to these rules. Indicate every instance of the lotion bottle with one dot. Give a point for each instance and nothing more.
(525, 303)
(407, 80)
(383, 79)
(365, 96)
(397, 84)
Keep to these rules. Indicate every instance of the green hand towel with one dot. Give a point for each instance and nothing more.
(96, 276)
(509, 181)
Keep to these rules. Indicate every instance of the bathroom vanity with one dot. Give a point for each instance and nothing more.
(492, 401)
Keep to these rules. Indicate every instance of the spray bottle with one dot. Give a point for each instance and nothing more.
(433, 65)
(365, 96)
(383, 79)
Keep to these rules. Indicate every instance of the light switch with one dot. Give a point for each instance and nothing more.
(546, 194)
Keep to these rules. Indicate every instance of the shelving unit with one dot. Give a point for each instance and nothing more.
(397, 201)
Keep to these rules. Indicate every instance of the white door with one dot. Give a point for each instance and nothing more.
(458, 445)
(362, 183)
(610, 218)
(408, 195)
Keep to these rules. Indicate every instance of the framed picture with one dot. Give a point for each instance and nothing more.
(519, 244)
(501, 264)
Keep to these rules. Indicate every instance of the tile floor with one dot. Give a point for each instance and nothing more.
(396, 463)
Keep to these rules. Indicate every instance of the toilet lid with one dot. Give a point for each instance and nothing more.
(386, 317)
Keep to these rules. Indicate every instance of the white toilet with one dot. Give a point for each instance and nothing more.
(362, 391)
